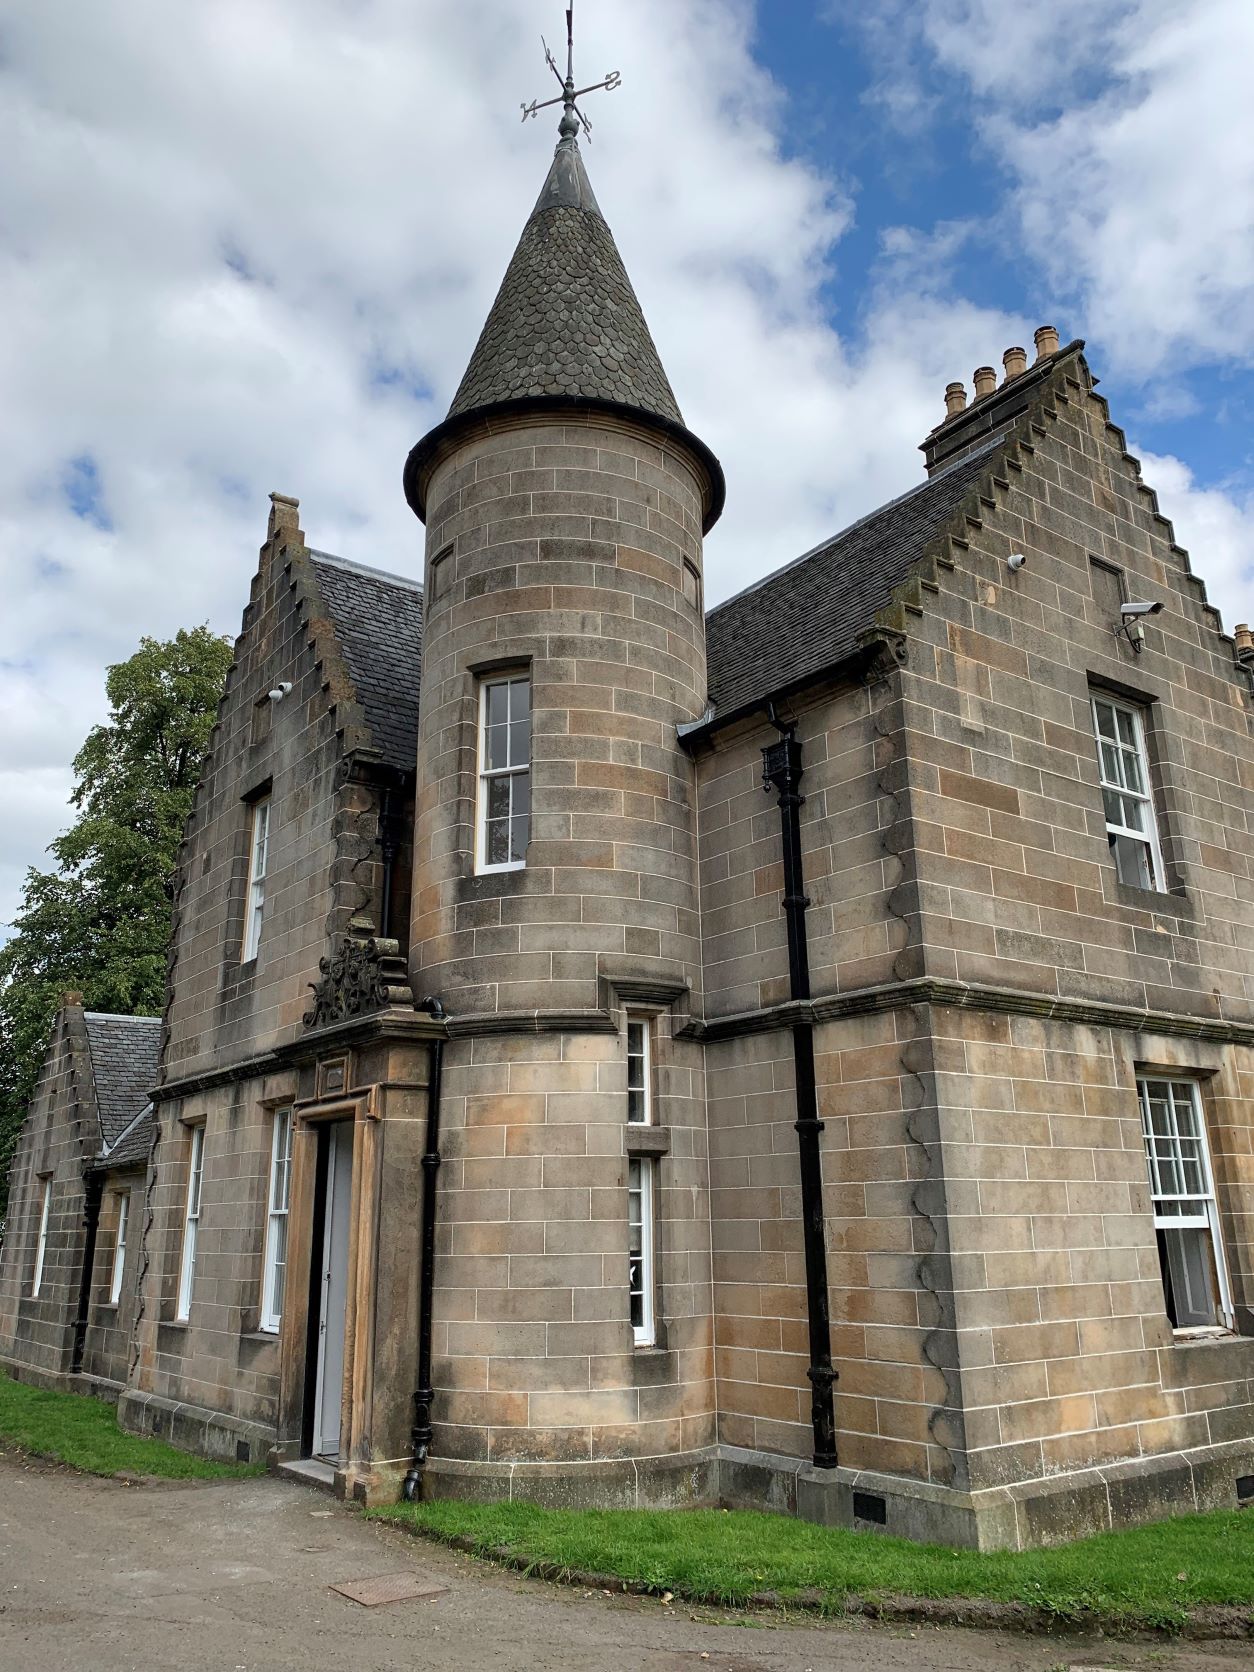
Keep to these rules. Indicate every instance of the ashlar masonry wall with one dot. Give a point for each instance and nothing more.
(571, 548)
(60, 1133)
(1071, 982)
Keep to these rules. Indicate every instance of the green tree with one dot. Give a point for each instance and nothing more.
(100, 921)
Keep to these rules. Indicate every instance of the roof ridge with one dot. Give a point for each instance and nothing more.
(337, 562)
(853, 527)
(118, 1016)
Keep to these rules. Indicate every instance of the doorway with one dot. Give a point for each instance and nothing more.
(328, 1316)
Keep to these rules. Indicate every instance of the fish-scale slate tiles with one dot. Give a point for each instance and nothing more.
(808, 616)
(125, 1051)
(378, 622)
(566, 322)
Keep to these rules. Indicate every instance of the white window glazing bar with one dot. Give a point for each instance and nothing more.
(1127, 793)
(258, 860)
(640, 1233)
(191, 1224)
(41, 1244)
(275, 1264)
(119, 1248)
(503, 813)
(1182, 1180)
(639, 1072)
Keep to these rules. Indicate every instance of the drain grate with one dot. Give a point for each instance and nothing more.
(389, 1587)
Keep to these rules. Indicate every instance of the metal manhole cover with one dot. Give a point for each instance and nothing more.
(389, 1587)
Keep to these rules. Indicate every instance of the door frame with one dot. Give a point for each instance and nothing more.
(334, 1141)
(306, 1221)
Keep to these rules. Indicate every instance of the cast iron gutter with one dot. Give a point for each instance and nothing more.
(93, 1189)
(781, 770)
(424, 1393)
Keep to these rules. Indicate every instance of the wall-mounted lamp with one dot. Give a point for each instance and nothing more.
(1131, 617)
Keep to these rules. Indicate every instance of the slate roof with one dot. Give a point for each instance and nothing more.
(134, 1145)
(378, 621)
(807, 616)
(124, 1056)
(566, 321)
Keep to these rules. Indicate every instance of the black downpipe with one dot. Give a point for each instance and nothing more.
(781, 771)
(93, 1190)
(424, 1393)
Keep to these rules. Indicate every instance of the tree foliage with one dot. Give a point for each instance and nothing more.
(99, 922)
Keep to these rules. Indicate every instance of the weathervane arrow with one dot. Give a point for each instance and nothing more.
(572, 117)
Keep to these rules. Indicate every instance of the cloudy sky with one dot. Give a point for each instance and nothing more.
(247, 245)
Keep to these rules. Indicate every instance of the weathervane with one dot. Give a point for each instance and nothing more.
(572, 117)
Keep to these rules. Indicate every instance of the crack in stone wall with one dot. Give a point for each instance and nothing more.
(933, 1272)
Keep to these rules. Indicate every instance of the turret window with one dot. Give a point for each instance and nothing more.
(503, 816)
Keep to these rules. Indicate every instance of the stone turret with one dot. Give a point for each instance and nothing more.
(555, 869)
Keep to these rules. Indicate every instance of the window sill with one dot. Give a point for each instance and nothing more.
(1204, 1332)
(1167, 903)
(639, 1139)
(260, 1337)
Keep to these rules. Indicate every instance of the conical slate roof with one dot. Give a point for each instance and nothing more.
(566, 321)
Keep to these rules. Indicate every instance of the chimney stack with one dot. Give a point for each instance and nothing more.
(1046, 340)
(1245, 642)
(1015, 361)
(955, 399)
(985, 381)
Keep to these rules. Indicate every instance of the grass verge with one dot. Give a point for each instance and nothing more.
(1154, 1577)
(76, 1429)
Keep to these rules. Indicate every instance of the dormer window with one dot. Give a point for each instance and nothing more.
(503, 814)
(258, 858)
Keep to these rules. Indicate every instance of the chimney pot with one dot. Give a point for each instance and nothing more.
(985, 381)
(1245, 640)
(1015, 361)
(955, 399)
(1046, 340)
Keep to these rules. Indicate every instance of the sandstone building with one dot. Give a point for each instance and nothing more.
(800, 1052)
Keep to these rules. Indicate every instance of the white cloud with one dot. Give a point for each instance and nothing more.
(250, 248)
(1128, 130)
(1216, 528)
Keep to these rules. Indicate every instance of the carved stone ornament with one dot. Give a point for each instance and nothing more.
(363, 975)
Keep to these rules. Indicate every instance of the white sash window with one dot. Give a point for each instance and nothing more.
(119, 1247)
(503, 814)
(1186, 1217)
(41, 1243)
(191, 1224)
(258, 860)
(275, 1268)
(1123, 767)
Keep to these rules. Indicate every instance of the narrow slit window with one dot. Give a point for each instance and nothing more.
(119, 1247)
(641, 1172)
(1123, 767)
(639, 1073)
(1186, 1215)
(275, 1270)
(258, 860)
(503, 818)
(41, 1243)
(191, 1224)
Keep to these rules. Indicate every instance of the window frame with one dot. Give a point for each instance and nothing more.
(41, 1238)
(191, 1224)
(484, 774)
(120, 1235)
(645, 1057)
(1149, 837)
(255, 890)
(277, 1222)
(644, 1167)
(1207, 1216)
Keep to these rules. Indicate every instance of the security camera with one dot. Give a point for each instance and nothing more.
(1015, 561)
(1133, 612)
(280, 690)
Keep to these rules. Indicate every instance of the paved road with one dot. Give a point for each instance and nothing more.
(235, 1578)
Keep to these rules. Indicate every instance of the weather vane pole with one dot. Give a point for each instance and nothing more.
(572, 117)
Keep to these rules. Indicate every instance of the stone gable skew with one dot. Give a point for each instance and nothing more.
(317, 754)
